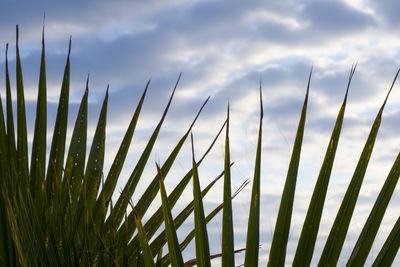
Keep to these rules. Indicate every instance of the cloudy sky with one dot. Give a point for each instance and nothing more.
(224, 49)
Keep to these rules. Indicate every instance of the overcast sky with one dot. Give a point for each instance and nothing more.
(224, 49)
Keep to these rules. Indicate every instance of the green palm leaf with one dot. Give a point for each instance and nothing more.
(156, 219)
(151, 191)
(119, 160)
(133, 180)
(253, 226)
(202, 247)
(95, 162)
(147, 255)
(7, 254)
(22, 137)
(173, 245)
(74, 166)
(209, 217)
(305, 247)
(281, 233)
(10, 122)
(390, 248)
(337, 235)
(38, 158)
(228, 255)
(370, 229)
(57, 150)
(160, 240)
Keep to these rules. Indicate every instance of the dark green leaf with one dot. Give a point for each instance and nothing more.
(146, 251)
(228, 257)
(160, 240)
(95, 163)
(200, 225)
(22, 137)
(210, 216)
(133, 180)
(38, 158)
(305, 247)
(371, 227)
(337, 235)
(173, 245)
(390, 248)
(119, 160)
(253, 227)
(281, 233)
(10, 123)
(151, 191)
(57, 150)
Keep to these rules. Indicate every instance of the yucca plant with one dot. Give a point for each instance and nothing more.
(62, 213)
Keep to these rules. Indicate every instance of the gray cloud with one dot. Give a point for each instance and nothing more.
(335, 17)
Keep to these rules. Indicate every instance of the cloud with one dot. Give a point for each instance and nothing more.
(335, 18)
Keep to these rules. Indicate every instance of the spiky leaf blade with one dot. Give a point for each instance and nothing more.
(7, 254)
(133, 180)
(22, 136)
(173, 245)
(119, 160)
(151, 227)
(365, 240)
(390, 247)
(95, 162)
(57, 150)
(210, 216)
(308, 236)
(146, 251)
(200, 225)
(281, 233)
(74, 165)
(12, 151)
(253, 226)
(337, 235)
(151, 191)
(38, 158)
(228, 256)
(4, 156)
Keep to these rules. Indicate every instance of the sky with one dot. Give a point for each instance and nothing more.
(224, 49)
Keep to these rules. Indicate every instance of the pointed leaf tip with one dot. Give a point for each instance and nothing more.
(159, 172)
(261, 103)
(309, 81)
(191, 139)
(44, 18)
(391, 87)
(197, 115)
(17, 34)
(172, 95)
(227, 120)
(87, 83)
(69, 46)
(177, 81)
(145, 89)
(352, 71)
(179, 78)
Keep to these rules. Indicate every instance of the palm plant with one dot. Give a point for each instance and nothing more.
(64, 214)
